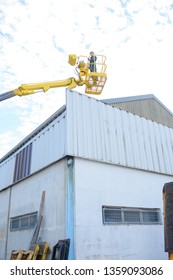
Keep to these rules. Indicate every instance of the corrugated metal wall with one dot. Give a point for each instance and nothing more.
(48, 145)
(7, 172)
(148, 108)
(88, 128)
(100, 132)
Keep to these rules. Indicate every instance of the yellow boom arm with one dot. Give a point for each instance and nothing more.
(27, 89)
(93, 81)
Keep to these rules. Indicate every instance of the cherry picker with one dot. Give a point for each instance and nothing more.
(94, 81)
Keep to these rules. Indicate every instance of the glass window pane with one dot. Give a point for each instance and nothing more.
(33, 220)
(131, 216)
(150, 217)
(112, 216)
(14, 223)
(24, 222)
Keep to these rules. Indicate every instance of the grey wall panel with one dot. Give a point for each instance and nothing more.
(100, 132)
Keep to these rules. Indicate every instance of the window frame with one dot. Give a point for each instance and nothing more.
(124, 210)
(20, 219)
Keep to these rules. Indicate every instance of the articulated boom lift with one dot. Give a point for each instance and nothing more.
(93, 81)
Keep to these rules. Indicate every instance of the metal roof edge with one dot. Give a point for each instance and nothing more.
(135, 98)
(128, 98)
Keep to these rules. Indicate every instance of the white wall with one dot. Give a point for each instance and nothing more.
(95, 184)
(26, 197)
(98, 184)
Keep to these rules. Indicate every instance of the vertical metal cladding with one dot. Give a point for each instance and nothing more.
(48, 145)
(100, 132)
(7, 172)
(91, 129)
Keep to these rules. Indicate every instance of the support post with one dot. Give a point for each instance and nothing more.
(70, 204)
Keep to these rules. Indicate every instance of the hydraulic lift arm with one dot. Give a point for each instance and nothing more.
(94, 81)
(27, 89)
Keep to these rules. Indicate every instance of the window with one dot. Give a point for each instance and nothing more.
(22, 163)
(129, 215)
(111, 215)
(23, 222)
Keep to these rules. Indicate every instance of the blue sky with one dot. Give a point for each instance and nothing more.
(37, 36)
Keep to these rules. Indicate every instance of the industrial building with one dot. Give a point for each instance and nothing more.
(102, 165)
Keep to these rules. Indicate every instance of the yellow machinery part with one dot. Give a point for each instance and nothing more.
(22, 255)
(72, 59)
(27, 89)
(170, 256)
(95, 83)
(43, 251)
(36, 252)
